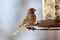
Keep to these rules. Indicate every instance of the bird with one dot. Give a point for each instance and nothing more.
(28, 22)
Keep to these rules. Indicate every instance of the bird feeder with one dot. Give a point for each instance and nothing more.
(51, 15)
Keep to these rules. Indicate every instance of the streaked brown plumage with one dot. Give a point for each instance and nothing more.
(28, 21)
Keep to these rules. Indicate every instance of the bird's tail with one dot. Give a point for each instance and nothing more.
(20, 28)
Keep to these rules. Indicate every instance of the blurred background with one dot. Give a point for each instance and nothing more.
(13, 12)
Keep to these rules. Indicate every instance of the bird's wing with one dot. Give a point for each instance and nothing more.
(25, 20)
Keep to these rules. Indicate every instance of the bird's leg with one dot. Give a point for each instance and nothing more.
(31, 28)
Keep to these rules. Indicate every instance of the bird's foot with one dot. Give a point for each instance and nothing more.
(31, 28)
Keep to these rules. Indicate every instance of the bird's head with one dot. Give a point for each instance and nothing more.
(31, 10)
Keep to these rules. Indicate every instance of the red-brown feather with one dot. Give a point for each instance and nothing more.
(33, 17)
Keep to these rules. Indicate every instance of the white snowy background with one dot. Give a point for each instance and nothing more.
(12, 13)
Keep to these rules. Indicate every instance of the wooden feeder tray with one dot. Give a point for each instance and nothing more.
(49, 24)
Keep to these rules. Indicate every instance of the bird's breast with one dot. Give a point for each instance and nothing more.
(33, 17)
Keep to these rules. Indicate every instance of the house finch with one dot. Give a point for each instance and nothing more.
(28, 21)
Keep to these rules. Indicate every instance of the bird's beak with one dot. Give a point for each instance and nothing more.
(34, 9)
